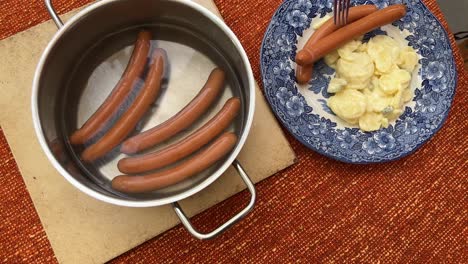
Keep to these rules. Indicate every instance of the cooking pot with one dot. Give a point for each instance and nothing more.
(62, 91)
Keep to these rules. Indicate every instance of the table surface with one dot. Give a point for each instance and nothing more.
(411, 210)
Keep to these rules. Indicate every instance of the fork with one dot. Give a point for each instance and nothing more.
(341, 11)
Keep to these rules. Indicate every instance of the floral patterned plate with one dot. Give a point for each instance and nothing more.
(303, 110)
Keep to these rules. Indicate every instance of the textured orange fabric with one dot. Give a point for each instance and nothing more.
(412, 210)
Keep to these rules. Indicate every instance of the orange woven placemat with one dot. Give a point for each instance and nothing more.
(412, 210)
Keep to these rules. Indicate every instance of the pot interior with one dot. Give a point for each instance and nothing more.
(88, 58)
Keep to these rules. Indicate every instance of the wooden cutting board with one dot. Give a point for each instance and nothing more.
(72, 220)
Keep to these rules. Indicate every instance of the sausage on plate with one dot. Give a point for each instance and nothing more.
(341, 36)
(304, 73)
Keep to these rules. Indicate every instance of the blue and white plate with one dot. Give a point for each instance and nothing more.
(302, 108)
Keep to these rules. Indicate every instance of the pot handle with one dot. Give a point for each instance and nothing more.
(53, 14)
(186, 222)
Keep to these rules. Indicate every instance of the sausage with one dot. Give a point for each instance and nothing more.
(341, 36)
(201, 161)
(103, 114)
(181, 120)
(185, 147)
(132, 116)
(304, 73)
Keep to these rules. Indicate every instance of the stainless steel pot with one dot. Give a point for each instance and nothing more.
(55, 98)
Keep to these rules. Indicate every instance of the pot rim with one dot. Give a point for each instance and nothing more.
(154, 202)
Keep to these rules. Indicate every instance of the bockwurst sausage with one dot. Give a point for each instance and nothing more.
(104, 113)
(304, 73)
(132, 116)
(201, 161)
(185, 147)
(181, 120)
(341, 36)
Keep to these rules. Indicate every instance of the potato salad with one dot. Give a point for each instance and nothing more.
(372, 81)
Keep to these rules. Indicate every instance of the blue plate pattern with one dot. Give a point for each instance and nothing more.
(421, 119)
